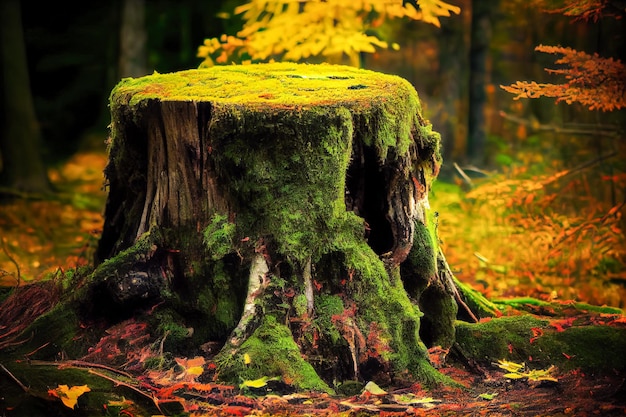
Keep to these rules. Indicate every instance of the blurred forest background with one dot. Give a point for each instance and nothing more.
(530, 198)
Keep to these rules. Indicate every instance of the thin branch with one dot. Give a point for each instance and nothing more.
(14, 378)
(580, 167)
(467, 179)
(154, 400)
(80, 364)
(580, 129)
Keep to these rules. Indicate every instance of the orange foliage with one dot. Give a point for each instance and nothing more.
(527, 240)
(583, 9)
(597, 83)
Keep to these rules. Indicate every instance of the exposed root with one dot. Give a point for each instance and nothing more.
(448, 281)
(308, 287)
(257, 281)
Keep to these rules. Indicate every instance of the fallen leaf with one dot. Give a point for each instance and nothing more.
(374, 389)
(258, 383)
(69, 396)
(487, 396)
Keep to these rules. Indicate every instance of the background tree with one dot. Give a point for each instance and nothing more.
(479, 51)
(21, 165)
(133, 54)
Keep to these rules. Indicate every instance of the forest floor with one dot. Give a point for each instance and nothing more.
(41, 239)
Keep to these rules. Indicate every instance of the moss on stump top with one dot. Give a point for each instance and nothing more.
(276, 85)
(385, 108)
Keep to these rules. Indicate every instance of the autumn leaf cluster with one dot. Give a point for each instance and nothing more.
(546, 236)
(595, 82)
(293, 30)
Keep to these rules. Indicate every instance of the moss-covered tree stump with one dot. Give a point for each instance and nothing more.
(281, 210)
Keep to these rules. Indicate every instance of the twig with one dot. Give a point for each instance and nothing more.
(580, 130)
(583, 166)
(14, 378)
(36, 350)
(10, 342)
(455, 291)
(467, 179)
(81, 364)
(167, 332)
(17, 267)
(154, 400)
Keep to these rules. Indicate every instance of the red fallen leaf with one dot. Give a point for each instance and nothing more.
(561, 325)
(237, 410)
(568, 357)
(537, 333)
(510, 346)
(621, 320)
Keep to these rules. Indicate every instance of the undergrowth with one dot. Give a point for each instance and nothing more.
(547, 235)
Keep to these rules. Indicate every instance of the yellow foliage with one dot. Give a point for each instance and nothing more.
(294, 30)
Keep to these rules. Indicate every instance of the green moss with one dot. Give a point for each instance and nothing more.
(385, 114)
(591, 348)
(218, 236)
(170, 326)
(299, 304)
(522, 303)
(125, 259)
(60, 325)
(386, 303)
(493, 340)
(420, 267)
(327, 306)
(273, 353)
(476, 301)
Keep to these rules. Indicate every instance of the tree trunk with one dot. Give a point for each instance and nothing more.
(22, 170)
(479, 51)
(133, 54)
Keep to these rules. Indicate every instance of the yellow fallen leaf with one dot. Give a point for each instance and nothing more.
(374, 389)
(246, 359)
(69, 396)
(195, 370)
(258, 383)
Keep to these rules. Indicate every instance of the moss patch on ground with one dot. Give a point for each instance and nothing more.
(540, 343)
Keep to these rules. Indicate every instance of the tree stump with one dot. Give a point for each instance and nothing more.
(279, 213)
